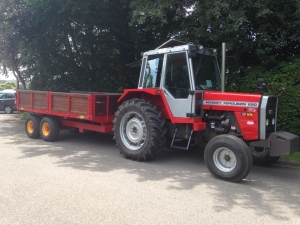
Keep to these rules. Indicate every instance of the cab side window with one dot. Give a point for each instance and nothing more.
(177, 80)
(153, 69)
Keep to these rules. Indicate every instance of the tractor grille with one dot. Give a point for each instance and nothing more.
(268, 116)
(271, 115)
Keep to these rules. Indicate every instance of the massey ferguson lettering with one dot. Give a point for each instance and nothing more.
(229, 103)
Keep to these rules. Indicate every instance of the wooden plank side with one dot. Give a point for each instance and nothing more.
(113, 104)
(40, 100)
(97, 107)
(79, 104)
(106, 105)
(100, 108)
(101, 104)
(59, 102)
(24, 99)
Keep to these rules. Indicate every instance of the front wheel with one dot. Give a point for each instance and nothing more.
(228, 158)
(139, 129)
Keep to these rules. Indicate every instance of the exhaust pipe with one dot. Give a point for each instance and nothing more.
(223, 67)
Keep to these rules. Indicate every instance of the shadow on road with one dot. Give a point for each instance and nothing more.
(185, 170)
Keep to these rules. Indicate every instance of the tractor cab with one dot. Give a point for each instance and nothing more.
(182, 71)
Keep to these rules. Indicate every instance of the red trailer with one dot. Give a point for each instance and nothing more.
(179, 102)
(83, 110)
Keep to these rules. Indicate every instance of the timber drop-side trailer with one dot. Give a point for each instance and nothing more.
(178, 103)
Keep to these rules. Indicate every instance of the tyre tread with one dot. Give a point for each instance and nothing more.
(36, 121)
(54, 128)
(157, 127)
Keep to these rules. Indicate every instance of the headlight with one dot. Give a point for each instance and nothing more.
(267, 122)
(273, 121)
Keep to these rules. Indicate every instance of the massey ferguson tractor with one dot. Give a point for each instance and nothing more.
(178, 104)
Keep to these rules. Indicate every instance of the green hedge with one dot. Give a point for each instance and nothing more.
(282, 81)
(7, 85)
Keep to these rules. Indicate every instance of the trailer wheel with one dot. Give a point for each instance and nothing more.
(228, 158)
(32, 126)
(49, 128)
(139, 129)
(261, 157)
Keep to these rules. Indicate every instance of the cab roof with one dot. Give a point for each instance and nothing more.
(171, 43)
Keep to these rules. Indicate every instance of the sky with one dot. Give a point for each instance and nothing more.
(10, 76)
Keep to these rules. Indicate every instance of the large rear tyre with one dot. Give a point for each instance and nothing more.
(139, 129)
(49, 129)
(32, 126)
(261, 157)
(228, 158)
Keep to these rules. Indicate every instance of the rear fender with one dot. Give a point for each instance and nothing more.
(153, 95)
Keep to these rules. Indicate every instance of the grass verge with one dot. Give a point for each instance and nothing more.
(295, 157)
(24, 115)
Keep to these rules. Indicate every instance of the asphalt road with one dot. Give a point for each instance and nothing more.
(82, 179)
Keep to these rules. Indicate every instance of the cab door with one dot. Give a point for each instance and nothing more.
(177, 84)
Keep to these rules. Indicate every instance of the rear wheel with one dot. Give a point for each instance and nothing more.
(8, 109)
(139, 129)
(228, 158)
(49, 128)
(261, 157)
(32, 126)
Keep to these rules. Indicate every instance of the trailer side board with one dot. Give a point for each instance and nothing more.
(91, 106)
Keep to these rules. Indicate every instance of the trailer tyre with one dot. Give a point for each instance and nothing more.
(139, 130)
(32, 126)
(228, 158)
(49, 128)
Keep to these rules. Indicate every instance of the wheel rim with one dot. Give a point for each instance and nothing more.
(30, 126)
(7, 109)
(224, 159)
(46, 129)
(133, 131)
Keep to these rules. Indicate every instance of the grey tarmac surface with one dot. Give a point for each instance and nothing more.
(82, 179)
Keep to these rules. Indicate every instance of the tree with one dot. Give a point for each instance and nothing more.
(257, 32)
(71, 45)
(10, 44)
(76, 45)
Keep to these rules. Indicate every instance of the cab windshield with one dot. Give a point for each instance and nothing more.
(206, 72)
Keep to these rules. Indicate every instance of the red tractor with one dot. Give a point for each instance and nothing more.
(178, 102)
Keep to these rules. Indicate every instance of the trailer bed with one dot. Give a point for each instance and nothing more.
(91, 107)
